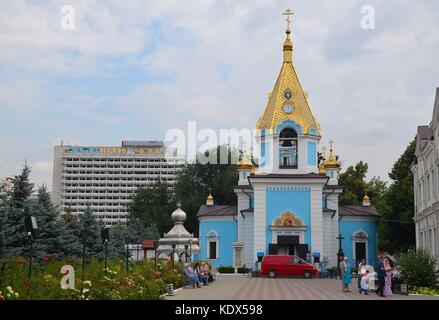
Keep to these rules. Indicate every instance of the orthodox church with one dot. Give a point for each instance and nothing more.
(289, 203)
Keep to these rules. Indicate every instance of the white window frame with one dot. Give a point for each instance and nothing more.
(356, 240)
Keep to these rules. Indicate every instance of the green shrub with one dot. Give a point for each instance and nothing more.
(425, 291)
(242, 270)
(418, 269)
(226, 269)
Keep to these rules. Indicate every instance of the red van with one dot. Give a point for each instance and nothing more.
(283, 265)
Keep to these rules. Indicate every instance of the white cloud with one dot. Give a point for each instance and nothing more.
(215, 62)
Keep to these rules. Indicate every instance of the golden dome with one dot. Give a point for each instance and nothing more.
(245, 163)
(331, 162)
(210, 195)
(365, 198)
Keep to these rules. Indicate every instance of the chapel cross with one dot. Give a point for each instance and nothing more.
(331, 145)
(288, 13)
(339, 238)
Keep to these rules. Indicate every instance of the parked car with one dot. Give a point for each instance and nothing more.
(285, 265)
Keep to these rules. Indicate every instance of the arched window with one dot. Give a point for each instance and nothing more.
(288, 149)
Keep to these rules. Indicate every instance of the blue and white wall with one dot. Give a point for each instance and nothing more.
(296, 200)
(349, 226)
(226, 231)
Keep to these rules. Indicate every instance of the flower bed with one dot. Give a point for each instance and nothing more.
(141, 282)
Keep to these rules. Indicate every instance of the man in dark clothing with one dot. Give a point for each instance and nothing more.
(381, 273)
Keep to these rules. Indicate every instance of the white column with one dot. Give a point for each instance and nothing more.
(316, 220)
(259, 221)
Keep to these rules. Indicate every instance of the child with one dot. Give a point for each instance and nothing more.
(365, 282)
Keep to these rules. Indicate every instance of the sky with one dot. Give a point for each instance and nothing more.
(133, 69)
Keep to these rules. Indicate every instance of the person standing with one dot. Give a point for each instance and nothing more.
(381, 273)
(387, 291)
(345, 269)
(309, 257)
(361, 265)
(364, 282)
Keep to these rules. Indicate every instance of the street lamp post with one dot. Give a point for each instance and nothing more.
(30, 223)
(105, 235)
(190, 250)
(173, 256)
(128, 253)
(156, 245)
(185, 252)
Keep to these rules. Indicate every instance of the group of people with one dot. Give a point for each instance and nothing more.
(384, 270)
(199, 274)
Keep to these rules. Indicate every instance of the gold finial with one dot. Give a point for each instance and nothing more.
(210, 195)
(331, 162)
(288, 45)
(288, 13)
(245, 163)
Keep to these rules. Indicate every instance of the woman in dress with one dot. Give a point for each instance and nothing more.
(345, 269)
(388, 280)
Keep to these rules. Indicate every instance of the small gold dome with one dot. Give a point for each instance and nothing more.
(245, 163)
(365, 198)
(210, 195)
(331, 162)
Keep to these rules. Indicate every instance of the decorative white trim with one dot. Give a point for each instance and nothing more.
(285, 231)
(288, 189)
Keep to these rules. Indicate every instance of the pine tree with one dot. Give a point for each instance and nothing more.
(54, 236)
(15, 208)
(90, 234)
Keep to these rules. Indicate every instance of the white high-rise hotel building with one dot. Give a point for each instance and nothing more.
(105, 178)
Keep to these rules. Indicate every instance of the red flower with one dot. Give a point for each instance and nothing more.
(20, 261)
(26, 283)
(67, 271)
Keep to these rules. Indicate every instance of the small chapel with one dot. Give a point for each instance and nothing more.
(288, 204)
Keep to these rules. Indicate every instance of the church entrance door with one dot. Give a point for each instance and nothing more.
(360, 251)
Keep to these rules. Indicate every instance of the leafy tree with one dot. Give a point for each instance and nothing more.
(396, 228)
(195, 178)
(152, 206)
(418, 269)
(354, 184)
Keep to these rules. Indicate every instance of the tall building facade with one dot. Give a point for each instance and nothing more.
(105, 178)
(289, 204)
(426, 184)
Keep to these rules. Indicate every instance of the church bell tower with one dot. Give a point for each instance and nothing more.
(287, 131)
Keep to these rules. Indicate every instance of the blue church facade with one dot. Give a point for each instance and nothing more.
(288, 202)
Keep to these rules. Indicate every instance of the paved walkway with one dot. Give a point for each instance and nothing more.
(239, 287)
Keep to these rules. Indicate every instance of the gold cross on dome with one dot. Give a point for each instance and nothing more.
(288, 13)
(331, 145)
